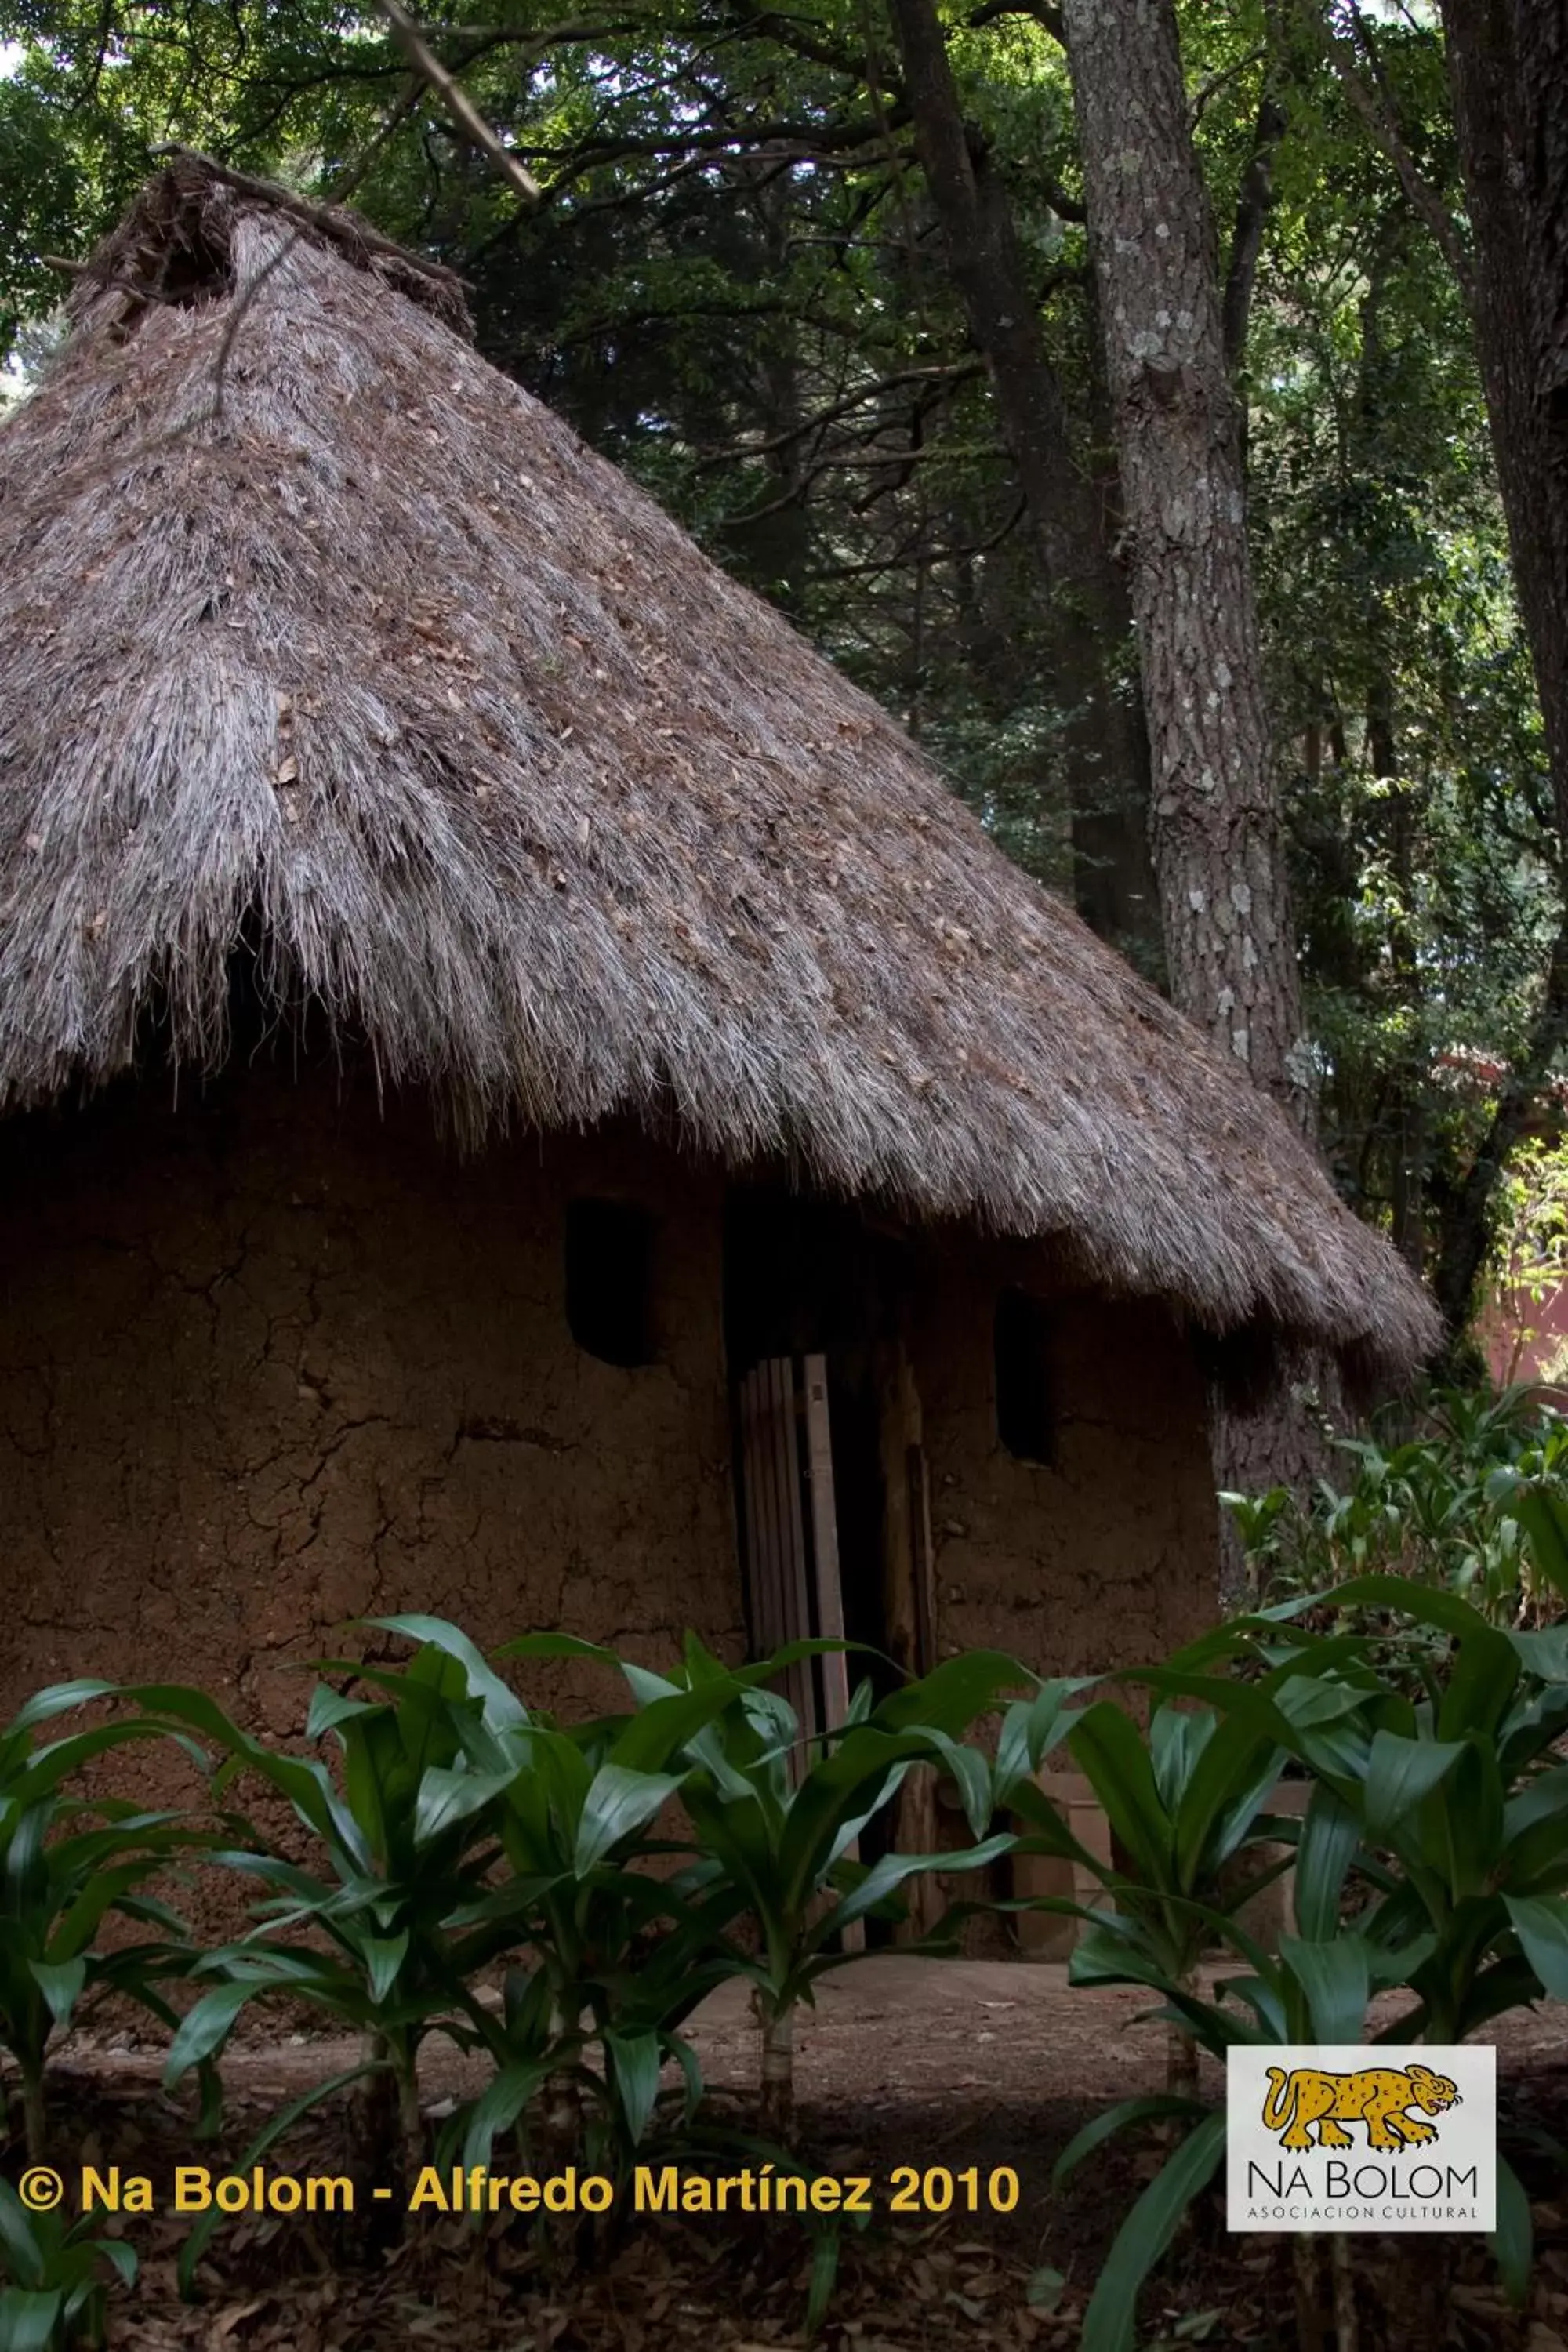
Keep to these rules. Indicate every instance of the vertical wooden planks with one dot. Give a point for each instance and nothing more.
(797, 1591)
(825, 1540)
(825, 1562)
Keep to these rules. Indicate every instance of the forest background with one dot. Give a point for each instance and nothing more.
(832, 282)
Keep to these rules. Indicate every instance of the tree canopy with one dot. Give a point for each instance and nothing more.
(756, 278)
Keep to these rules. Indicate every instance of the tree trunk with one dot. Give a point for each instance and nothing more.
(1215, 822)
(1507, 62)
(1103, 731)
(1229, 935)
(1466, 1231)
(1341, 2269)
(1509, 65)
(1308, 2272)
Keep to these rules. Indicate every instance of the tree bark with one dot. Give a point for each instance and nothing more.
(1215, 828)
(1466, 1226)
(1107, 778)
(1507, 62)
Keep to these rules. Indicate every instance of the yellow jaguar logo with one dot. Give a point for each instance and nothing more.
(1376, 2097)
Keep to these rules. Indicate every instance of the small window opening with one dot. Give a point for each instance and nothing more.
(1026, 1405)
(609, 1280)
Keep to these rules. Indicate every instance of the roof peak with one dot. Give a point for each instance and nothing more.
(173, 247)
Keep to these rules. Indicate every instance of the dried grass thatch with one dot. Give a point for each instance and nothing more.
(366, 651)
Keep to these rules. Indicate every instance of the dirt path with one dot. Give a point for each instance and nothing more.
(960, 2063)
(887, 2030)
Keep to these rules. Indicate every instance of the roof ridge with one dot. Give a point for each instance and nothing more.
(172, 246)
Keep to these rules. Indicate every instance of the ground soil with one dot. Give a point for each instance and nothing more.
(987, 2064)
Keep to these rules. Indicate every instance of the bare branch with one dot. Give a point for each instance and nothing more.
(1041, 11)
(906, 560)
(956, 372)
(456, 100)
(1378, 116)
(1253, 200)
(1216, 82)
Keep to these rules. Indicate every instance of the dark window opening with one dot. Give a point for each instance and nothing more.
(609, 1280)
(1026, 1405)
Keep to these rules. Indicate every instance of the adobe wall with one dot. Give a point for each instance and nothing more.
(1107, 1557)
(273, 1359)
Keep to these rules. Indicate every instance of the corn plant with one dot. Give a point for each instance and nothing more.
(65, 1864)
(57, 2296)
(781, 1818)
(1451, 1809)
(363, 1930)
(1183, 1805)
(617, 1955)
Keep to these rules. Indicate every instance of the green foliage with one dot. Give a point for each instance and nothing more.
(57, 2296)
(462, 1833)
(1445, 1819)
(1185, 1802)
(780, 1820)
(1528, 1262)
(67, 1864)
(1457, 1506)
(364, 1934)
(614, 1870)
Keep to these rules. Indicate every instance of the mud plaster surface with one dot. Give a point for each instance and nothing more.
(1106, 1555)
(277, 1359)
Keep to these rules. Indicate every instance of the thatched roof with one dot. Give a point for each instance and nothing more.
(312, 622)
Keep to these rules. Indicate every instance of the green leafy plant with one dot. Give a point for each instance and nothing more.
(66, 1864)
(623, 1928)
(780, 1817)
(363, 1931)
(1440, 1505)
(58, 2298)
(1185, 1802)
(1528, 1262)
(1451, 1809)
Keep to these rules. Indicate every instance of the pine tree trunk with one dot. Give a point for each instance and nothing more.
(1215, 817)
(1215, 828)
(1509, 66)
(1070, 514)
(1507, 62)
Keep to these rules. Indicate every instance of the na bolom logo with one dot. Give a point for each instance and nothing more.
(1378, 2096)
(1360, 2138)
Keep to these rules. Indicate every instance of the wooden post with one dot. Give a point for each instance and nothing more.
(797, 1600)
(909, 1605)
(825, 1540)
(825, 1562)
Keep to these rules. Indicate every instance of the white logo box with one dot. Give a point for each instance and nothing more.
(1360, 2137)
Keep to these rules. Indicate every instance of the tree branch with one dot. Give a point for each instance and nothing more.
(1378, 116)
(1253, 200)
(1040, 12)
(957, 371)
(456, 100)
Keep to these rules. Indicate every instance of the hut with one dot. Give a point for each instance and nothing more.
(524, 1097)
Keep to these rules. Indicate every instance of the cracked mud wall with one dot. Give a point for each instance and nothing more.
(274, 1359)
(1107, 1556)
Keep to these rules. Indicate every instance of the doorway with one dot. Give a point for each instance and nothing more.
(804, 1279)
